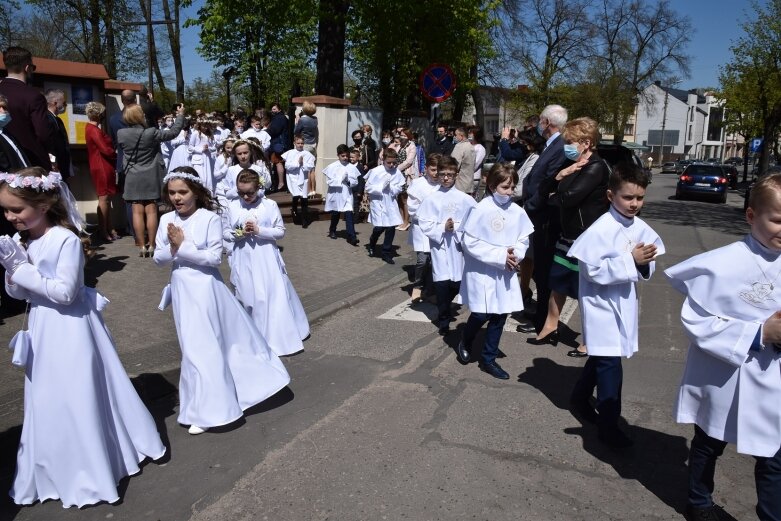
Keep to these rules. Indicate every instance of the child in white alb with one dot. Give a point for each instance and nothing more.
(419, 189)
(439, 217)
(383, 184)
(613, 254)
(299, 165)
(341, 177)
(731, 386)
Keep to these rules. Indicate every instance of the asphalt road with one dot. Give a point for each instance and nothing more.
(381, 422)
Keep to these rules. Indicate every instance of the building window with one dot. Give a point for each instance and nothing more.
(491, 126)
(629, 129)
(691, 115)
(690, 132)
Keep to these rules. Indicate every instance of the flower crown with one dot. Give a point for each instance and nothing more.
(183, 175)
(47, 182)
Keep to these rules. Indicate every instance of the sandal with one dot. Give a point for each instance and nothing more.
(575, 353)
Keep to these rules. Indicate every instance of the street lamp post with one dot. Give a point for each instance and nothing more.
(664, 118)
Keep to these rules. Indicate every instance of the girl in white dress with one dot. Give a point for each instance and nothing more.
(253, 226)
(224, 160)
(227, 365)
(179, 153)
(85, 428)
(202, 149)
(243, 157)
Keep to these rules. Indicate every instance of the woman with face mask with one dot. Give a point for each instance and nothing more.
(580, 194)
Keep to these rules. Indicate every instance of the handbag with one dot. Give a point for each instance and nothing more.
(21, 344)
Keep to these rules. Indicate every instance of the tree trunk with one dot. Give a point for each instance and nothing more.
(110, 52)
(174, 41)
(94, 16)
(152, 50)
(330, 47)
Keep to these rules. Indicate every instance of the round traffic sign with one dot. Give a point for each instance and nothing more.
(437, 82)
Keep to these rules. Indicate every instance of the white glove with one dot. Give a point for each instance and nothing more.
(12, 255)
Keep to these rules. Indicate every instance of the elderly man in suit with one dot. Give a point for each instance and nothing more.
(29, 123)
(59, 146)
(546, 222)
(464, 153)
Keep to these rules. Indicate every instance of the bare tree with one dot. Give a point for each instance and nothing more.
(174, 40)
(635, 42)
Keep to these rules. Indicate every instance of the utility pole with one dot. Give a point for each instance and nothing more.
(149, 35)
(664, 118)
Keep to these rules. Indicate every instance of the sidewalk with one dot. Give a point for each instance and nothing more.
(328, 275)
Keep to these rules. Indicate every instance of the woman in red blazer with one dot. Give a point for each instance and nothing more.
(102, 158)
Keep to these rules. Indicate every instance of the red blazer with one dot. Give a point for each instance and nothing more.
(29, 125)
(100, 151)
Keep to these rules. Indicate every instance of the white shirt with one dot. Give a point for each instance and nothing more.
(383, 187)
(447, 261)
(341, 178)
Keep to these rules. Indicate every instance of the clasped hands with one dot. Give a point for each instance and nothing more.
(643, 253)
(12, 254)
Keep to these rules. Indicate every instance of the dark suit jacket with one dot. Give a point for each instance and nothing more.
(10, 160)
(59, 145)
(115, 123)
(549, 163)
(29, 123)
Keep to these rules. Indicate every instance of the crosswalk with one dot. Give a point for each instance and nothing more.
(427, 312)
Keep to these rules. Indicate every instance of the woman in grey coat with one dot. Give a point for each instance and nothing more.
(144, 169)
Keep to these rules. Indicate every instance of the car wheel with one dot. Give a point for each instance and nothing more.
(678, 196)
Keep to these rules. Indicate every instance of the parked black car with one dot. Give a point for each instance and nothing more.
(732, 175)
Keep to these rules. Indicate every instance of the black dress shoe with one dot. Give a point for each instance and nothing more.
(500, 354)
(332, 235)
(370, 250)
(352, 241)
(614, 437)
(388, 259)
(495, 370)
(463, 354)
(551, 338)
(444, 328)
(577, 354)
(526, 329)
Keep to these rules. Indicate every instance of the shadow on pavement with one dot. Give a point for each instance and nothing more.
(283, 397)
(657, 461)
(100, 264)
(718, 217)
(160, 397)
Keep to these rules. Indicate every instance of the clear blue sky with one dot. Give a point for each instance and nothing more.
(716, 25)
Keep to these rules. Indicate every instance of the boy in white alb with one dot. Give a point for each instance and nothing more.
(341, 176)
(383, 184)
(613, 253)
(418, 190)
(439, 217)
(299, 165)
(731, 386)
(258, 131)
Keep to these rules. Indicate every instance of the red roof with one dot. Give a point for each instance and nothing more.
(67, 69)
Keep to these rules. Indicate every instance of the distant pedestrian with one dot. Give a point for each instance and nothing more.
(341, 176)
(495, 238)
(59, 143)
(227, 366)
(464, 153)
(306, 127)
(439, 217)
(731, 385)
(102, 158)
(383, 184)
(253, 225)
(85, 428)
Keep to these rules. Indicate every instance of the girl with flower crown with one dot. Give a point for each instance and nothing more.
(85, 428)
(227, 365)
(243, 157)
(253, 225)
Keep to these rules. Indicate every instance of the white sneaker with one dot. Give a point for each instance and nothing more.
(194, 430)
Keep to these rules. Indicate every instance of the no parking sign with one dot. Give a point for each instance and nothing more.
(437, 82)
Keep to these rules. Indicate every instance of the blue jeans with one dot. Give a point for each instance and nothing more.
(703, 454)
(387, 243)
(348, 219)
(493, 333)
(446, 291)
(606, 374)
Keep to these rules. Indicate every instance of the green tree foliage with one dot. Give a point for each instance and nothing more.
(268, 42)
(751, 81)
(391, 43)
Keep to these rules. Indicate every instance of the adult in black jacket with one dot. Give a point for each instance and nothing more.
(443, 144)
(535, 202)
(277, 130)
(59, 143)
(580, 194)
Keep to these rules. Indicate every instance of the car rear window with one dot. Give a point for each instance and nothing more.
(703, 170)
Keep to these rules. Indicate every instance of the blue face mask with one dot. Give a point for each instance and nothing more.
(501, 200)
(540, 130)
(4, 119)
(571, 151)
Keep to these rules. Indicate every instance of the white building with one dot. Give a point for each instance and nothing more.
(692, 123)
